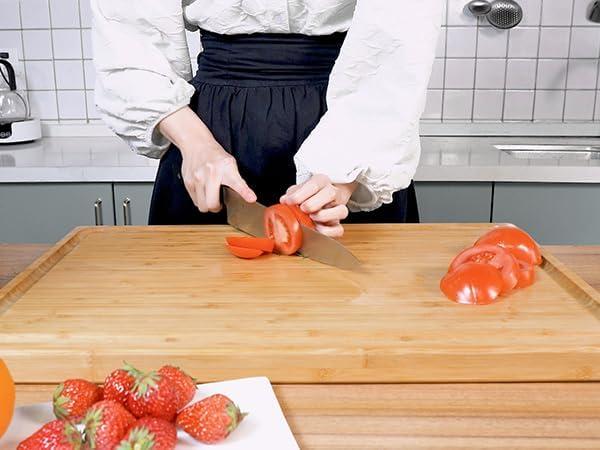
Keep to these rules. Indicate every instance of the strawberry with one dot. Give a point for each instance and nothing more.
(153, 395)
(150, 433)
(210, 420)
(119, 383)
(72, 399)
(55, 435)
(106, 423)
(185, 385)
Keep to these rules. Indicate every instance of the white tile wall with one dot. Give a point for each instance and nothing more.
(544, 70)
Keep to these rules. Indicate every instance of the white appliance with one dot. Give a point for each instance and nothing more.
(16, 123)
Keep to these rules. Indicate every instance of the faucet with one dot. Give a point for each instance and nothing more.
(595, 13)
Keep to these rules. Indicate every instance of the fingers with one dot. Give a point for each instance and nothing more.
(334, 214)
(305, 191)
(212, 189)
(334, 229)
(320, 200)
(233, 179)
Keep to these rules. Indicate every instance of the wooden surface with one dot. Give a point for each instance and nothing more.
(416, 416)
(151, 295)
(432, 416)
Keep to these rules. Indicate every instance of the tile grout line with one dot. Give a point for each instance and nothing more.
(597, 87)
(537, 62)
(502, 116)
(564, 109)
(85, 97)
(475, 71)
(53, 63)
(24, 64)
(445, 31)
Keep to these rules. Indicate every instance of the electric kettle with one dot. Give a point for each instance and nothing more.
(16, 124)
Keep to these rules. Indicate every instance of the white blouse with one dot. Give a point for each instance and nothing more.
(376, 95)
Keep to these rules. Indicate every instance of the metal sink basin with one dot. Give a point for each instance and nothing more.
(529, 151)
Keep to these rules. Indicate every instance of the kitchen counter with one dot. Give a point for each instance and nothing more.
(419, 416)
(460, 159)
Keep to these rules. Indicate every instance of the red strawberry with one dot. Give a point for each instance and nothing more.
(119, 383)
(72, 399)
(210, 420)
(153, 395)
(106, 423)
(55, 435)
(150, 433)
(185, 385)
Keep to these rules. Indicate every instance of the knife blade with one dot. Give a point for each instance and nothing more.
(249, 218)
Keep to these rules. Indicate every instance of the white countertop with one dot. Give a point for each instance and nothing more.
(107, 159)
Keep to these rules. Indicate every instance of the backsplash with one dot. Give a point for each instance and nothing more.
(545, 70)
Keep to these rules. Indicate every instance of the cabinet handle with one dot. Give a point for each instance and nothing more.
(127, 211)
(98, 212)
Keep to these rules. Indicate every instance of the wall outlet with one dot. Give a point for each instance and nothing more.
(13, 58)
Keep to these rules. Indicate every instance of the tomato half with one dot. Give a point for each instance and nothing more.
(495, 256)
(526, 275)
(473, 284)
(244, 253)
(284, 229)
(263, 244)
(520, 244)
(302, 217)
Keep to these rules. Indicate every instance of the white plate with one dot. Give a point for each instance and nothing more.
(265, 426)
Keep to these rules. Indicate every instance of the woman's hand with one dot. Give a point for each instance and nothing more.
(206, 165)
(324, 201)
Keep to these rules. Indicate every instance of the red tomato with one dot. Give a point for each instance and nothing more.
(284, 229)
(516, 241)
(526, 275)
(495, 256)
(244, 253)
(473, 284)
(262, 244)
(302, 217)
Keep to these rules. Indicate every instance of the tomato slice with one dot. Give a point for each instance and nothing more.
(495, 256)
(526, 275)
(520, 244)
(284, 229)
(302, 217)
(244, 253)
(263, 244)
(473, 284)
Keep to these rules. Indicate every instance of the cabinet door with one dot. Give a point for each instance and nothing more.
(45, 212)
(552, 213)
(139, 196)
(454, 202)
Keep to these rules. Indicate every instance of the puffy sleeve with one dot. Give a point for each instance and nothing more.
(142, 66)
(375, 99)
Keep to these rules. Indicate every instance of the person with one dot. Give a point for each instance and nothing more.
(308, 102)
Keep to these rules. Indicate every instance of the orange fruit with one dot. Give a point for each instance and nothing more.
(7, 398)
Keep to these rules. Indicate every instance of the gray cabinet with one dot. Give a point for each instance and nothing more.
(132, 199)
(552, 213)
(454, 202)
(44, 213)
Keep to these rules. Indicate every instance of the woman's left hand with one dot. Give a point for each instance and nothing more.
(324, 201)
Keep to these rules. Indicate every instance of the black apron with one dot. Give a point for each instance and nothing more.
(261, 95)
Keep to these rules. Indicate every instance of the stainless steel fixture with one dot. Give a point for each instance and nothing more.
(502, 14)
(528, 151)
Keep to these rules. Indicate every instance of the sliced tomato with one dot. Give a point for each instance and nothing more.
(495, 256)
(263, 244)
(473, 284)
(284, 229)
(244, 253)
(302, 217)
(520, 244)
(526, 275)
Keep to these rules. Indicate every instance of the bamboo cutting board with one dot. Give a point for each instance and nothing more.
(171, 294)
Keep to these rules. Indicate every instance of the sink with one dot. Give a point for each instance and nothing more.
(532, 151)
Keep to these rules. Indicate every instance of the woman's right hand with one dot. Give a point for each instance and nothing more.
(206, 165)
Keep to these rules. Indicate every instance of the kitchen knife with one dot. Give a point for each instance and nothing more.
(249, 218)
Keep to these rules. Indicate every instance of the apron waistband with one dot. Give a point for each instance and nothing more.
(266, 59)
